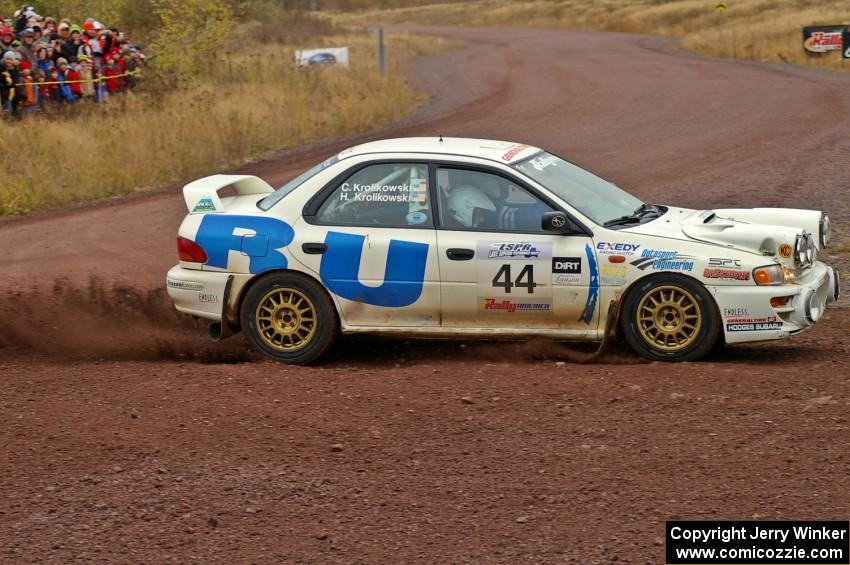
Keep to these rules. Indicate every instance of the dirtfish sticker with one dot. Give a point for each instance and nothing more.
(663, 261)
(566, 270)
(205, 204)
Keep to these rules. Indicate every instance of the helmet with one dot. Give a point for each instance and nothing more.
(464, 200)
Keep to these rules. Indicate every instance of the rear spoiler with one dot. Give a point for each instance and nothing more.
(201, 196)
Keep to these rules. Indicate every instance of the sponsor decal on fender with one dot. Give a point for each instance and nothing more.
(613, 275)
(754, 327)
(207, 298)
(504, 305)
(785, 250)
(724, 263)
(726, 274)
(607, 248)
(184, 285)
(735, 312)
(663, 261)
(566, 270)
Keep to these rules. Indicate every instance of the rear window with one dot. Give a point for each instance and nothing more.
(278, 194)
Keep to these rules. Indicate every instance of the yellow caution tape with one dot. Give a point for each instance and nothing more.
(99, 79)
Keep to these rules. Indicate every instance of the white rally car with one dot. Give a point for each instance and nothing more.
(437, 237)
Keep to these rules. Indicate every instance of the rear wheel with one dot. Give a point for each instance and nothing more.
(670, 318)
(289, 318)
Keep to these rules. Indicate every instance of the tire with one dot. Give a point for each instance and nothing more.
(290, 318)
(670, 318)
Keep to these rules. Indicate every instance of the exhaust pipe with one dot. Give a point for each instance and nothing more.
(218, 331)
(214, 331)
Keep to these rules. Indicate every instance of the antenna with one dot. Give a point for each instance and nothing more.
(441, 138)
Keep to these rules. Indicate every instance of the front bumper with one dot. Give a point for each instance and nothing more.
(748, 315)
(198, 293)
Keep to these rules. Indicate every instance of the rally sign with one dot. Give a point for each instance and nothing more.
(322, 57)
(820, 39)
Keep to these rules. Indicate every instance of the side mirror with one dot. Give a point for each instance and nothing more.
(556, 222)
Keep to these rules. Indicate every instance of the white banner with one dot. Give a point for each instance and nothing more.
(322, 57)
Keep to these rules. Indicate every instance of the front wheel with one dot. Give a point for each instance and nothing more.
(289, 318)
(670, 318)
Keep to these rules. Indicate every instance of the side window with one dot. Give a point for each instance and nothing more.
(386, 194)
(486, 202)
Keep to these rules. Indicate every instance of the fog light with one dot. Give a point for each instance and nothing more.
(813, 307)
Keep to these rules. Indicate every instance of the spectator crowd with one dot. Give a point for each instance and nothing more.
(45, 63)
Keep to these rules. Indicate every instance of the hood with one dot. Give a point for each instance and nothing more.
(770, 232)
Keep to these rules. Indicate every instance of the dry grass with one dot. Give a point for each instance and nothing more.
(764, 30)
(253, 102)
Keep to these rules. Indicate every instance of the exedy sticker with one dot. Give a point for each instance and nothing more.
(608, 248)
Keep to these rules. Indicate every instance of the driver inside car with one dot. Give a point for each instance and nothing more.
(492, 207)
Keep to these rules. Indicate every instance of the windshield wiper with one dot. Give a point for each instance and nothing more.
(635, 217)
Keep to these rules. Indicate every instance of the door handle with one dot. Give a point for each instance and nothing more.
(457, 254)
(314, 248)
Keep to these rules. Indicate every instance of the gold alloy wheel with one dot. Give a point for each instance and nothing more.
(669, 318)
(285, 319)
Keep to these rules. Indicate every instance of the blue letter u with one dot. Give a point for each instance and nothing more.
(403, 276)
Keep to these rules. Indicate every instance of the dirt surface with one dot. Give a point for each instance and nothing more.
(128, 438)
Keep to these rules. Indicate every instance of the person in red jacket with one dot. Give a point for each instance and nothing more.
(122, 68)
(110, 72)
(72, 77)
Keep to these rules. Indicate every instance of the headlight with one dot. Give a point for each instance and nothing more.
(769, 275)
(824, 231)
(804, 250)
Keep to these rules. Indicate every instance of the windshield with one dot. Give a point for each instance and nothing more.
(597, 199)
(278, 194)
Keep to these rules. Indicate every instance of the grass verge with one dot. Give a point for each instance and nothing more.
(253, 101)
